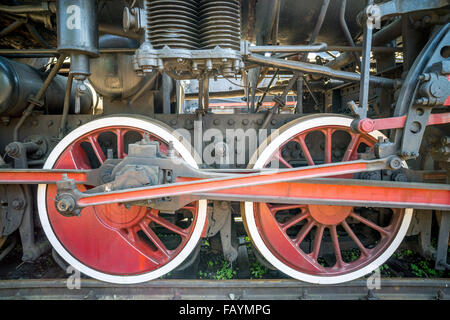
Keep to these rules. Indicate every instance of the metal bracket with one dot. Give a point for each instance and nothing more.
(230, 253)
(398, 7)
(419, 114)
(442, 246)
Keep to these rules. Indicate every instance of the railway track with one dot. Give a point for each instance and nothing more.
(390, 289)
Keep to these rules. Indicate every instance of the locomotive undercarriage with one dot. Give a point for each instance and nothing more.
(125, 194)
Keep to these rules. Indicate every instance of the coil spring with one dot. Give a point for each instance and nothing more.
(220, 24)
(193, 24)
(173, 23)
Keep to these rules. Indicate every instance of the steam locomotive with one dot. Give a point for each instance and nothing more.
(130, 130)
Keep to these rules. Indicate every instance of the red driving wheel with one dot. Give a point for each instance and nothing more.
(321, 243)
(117, 239)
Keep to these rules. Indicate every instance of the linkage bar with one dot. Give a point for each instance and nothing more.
(368, 125)
(342, 192)
(234, 181)
(36, 176)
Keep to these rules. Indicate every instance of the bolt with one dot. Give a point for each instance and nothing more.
(399, 177)
(422, 101)
(17, 204)
(13, 149)
(173, 122)
(366, 125)
(231, 122)
(245, 122)
(445, 140)
(395, 163)
(444, 150)
(216, 122)
(65, 204)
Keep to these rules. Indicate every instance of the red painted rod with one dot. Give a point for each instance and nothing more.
(368, 125)
(35, 176)
(345, 191)
(207, 185)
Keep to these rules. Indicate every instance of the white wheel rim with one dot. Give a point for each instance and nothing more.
(165, 135)
(303, 125)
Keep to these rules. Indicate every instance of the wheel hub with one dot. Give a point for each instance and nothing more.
(118, 215)
(329, 215)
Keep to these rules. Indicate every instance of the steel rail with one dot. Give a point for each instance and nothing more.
(182, 289)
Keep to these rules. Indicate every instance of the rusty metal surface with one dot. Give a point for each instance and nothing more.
(390, 289)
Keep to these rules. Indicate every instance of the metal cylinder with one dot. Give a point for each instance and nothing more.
(19, 82)
(77, 27)
(172, 23)
(220, 24)
(111, 75)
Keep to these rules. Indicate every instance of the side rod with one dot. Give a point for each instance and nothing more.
(189, 186)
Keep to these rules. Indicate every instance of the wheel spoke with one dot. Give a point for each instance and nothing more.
(154, 238)
(166, 224)
(328, 144)
(352, 147)
(294, 220)
(120, 134)
(279, 207)
(336, 247)
(130, 234)
(354, 238)
(303, 232)
(301, 140)
(74, 158)
(93, 140)
(370, 224)
(190, 208)
(282, 160)
(317, 242)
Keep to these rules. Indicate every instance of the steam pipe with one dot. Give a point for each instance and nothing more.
(321, 70)
(38, 96)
